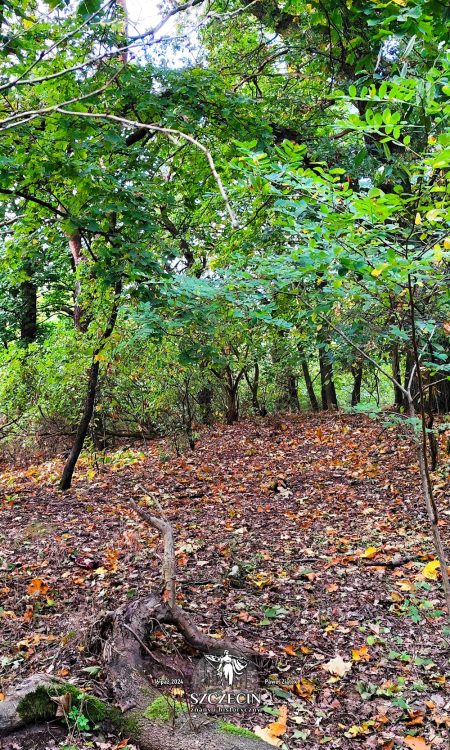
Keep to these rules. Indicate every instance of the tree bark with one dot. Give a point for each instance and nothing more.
(232, 405)
(398, 395)
(82, 429)
(309, 385)
(253, 384)
(80, 319)
(328, 391)
(357, 372)
(205, 400)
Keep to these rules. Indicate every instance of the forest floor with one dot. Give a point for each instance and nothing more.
(310, 509)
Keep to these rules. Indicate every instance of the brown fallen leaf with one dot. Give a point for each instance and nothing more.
(304, 689)
(63, 703)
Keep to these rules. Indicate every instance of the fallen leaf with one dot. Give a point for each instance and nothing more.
(370, 552)
(416, 743)
(361, 654)
(338, 666)
(273, 731)
(430, 570)
(304, 689)
(37, 587)
(63, 703)
(290, 650)
(122, 743)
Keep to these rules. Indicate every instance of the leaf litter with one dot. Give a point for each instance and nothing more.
(307, 537)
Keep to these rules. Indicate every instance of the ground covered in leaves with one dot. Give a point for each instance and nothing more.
(305, 535)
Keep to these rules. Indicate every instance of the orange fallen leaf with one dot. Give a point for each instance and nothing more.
(37, 587)
(290, 650)
(272, 732)
(361, 654)
(416, 743)
(112, 556)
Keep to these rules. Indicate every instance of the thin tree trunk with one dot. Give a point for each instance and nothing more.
(253, 385)
(398, 395)
(329, 399)
(427, 485)
(357, 372)
(80, 319)
(309, 385)
(83, 426)
(89, 402)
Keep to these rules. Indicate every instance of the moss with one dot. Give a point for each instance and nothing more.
(36, 706)
(225, 726)
(129, 724)
(164, 709)
(39, 705)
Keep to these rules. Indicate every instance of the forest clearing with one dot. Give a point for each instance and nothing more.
(224, 374)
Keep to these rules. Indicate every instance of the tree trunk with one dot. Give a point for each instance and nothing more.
(80, 318)
(309, 385)
(357, 372)
(253, 385)
(28, 311)
(328, 391)
(205, 401)
(292, 392)
(89, 402)
(409, 364)
(232, 405)
(398, 395)
(83, 426)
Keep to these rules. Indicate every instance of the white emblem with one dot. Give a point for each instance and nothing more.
(227, 667)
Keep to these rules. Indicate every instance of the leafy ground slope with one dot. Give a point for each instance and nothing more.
(310, 510)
